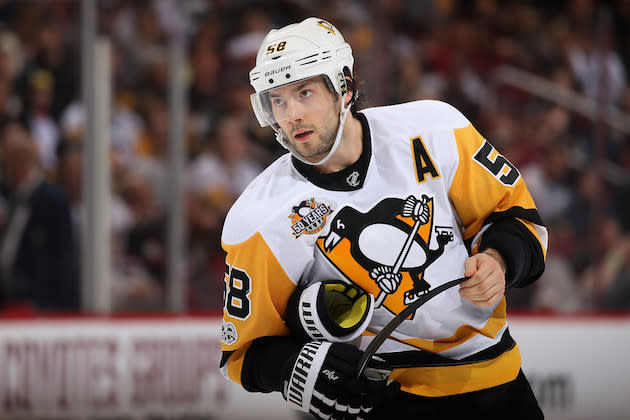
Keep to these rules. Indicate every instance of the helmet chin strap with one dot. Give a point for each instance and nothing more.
(343, 113)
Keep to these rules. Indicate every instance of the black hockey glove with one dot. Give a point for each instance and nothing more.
(322, 380)
(329, 311)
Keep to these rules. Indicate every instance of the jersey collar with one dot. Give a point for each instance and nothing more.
(347, 179)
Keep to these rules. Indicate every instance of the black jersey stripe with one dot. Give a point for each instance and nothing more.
(422, 358)
(516, 212)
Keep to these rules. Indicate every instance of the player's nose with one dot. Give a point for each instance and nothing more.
(295, 112)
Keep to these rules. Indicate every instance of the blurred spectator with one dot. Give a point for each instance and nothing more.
(153, 140)
(242, 47)
(151, 147)
(69, 177)
(221, 173)
(559, 289)
(596, 65)
(133, 286)
(143, 244)
(216, 178)
(582, 209)
(204, 96)
(125, 129)
(137, 192)
(138, 27)
(607, 281)
(38, 261)
(11, 61)
(548, 181)
(52, 54)
(38, 117)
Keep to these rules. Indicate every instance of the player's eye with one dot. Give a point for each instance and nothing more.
(305, 93)
(277, 101)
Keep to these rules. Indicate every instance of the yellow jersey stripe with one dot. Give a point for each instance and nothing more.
(475, 192)
(439, 381)
(269, 293)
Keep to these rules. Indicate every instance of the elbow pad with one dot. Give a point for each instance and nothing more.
(332, 311)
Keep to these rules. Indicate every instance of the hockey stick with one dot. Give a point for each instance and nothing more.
(399, 261)
(380, 338)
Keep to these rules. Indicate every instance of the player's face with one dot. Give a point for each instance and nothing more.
(308, 114)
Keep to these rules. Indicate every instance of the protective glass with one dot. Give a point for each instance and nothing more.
(291, 101)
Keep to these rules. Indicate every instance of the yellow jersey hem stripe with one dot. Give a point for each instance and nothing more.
(440, 381)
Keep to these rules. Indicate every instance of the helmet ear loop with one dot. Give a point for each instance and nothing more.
(343, 92)
(345, 86)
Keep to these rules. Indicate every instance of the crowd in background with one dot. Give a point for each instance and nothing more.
(577, 168)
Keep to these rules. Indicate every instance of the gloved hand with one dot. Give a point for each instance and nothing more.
(322, 380)
(332, 311)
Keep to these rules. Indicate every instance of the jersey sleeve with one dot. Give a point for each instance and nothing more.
(255, 295)
(495, 208)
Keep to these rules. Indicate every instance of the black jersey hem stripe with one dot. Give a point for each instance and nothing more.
(421, 358)
(224, 357)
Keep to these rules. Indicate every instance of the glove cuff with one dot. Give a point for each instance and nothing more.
(318, 323)
(299, 387)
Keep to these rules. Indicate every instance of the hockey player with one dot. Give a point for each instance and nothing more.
(369, 211)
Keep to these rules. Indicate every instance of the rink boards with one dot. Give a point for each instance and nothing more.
(168, 366)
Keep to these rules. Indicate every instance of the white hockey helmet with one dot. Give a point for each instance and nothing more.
(311, 48)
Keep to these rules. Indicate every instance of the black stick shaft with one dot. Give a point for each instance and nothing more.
(380, 338)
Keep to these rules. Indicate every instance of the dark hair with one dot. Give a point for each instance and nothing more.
(357, 91)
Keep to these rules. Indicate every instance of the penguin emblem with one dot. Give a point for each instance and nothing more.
(386, 250)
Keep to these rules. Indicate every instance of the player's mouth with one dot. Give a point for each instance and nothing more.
(303, 135)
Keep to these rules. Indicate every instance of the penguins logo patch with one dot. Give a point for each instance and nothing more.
(386, 250)
(228, 333)
(308, 217)
(327, 26)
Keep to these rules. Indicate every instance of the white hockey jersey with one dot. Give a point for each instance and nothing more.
(293, 226)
